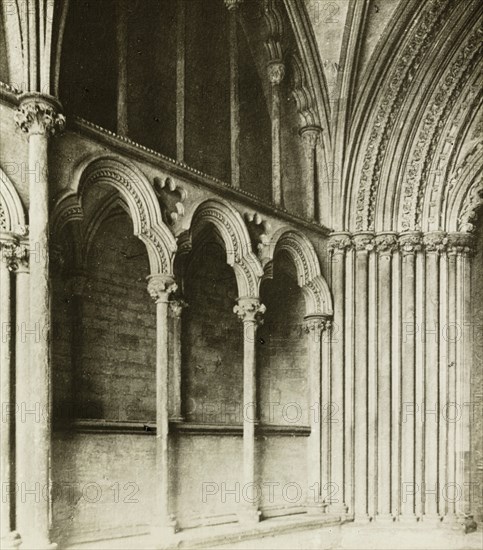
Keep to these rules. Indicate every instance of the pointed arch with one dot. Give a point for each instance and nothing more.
(137, 193)
(316, 291)
(12, 217)
(386, 89)
(239, 255)
(112, 203)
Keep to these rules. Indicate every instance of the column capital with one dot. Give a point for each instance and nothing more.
(250, 310)
(386, 243)
(340, 242)
(410, 243)
(39, 114)
(316, 324)
(363, 241)
(232, 5)
(310, 136)
(436, 241)
(160, 286)
(276, 72)
(460, 243)
(15, 255)
(176, 307)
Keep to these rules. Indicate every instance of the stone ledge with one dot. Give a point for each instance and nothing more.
(149, 428)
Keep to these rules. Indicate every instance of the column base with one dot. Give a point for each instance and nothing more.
(248, 517)
(410, 519)
(362, 519)
(37, 545)
(163, 532)
(337, 509)
(384, 519)
(11, 541)
(431, 519)
(465, 524)
(316, 509)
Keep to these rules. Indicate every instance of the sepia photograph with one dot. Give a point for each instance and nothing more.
(241, 274)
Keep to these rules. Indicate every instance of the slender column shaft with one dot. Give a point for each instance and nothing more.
(176, 308)
(23, 421)
(122, 76)
(451, 410)
(313, 329)
(161, 408)
(349, 380)
(313, 326)
(276, 71)
(38, 117)
(372, 387)
(363, 245)
(33, 45)
(180, 80)
(386, 244)
(443, 384)
(249, 310)
(249, 399)
(6, 446)
(234, 100)
(396, 370)
(339, 243)
(328, 415)
(409, 246)
(310, 136)
(40, 321)
(433, 243)
(160, 287)
(463, 370)
(420, 377)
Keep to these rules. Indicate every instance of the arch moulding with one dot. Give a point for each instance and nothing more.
(12, 217)
(136, 192)
(318, 299)
(239, 254)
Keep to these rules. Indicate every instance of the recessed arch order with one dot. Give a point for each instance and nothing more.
(318, 299)
(138, 195)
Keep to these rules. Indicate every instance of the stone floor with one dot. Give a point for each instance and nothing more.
(304, 534)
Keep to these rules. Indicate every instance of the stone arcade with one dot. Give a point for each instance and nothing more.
(241, 270)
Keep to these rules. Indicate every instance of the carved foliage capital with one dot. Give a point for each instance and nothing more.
(386, 243)
(250, 310)
(316, 325)
(363, 242)
(310, 136)
(340, 243)
(410, 243)
(39, 116)
(176, 307)
(435, 242)
(160, 286)
(276, 72)
(15, 255)
(461, 244)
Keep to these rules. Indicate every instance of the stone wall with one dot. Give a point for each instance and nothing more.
(476, 475)
(101, 482)
(282, 354)
(117, 380)
(212, 346)
(104, 369)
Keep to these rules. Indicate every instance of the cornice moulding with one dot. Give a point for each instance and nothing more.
(131, 149)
